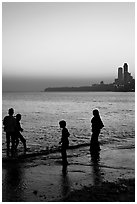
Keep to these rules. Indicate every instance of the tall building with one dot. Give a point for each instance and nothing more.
(120, 75)
(125, 67)
(125, 73)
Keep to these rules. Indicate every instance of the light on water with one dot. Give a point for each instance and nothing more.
(42, 111)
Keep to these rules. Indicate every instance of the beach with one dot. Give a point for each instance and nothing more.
(108, 177)
(71, 62)
(38, 176)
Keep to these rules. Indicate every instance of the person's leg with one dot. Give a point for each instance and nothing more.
(8, 141)
(97, 142)
(16, 141)
(64, 155)
(23, 140)
(13, 138)
(94, 145)
(92, 142)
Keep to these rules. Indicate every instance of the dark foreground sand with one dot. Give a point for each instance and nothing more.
(109, 177)
(121, 191)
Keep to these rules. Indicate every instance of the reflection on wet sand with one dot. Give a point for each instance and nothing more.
(95, 159)
(13, 186)
(65, 182)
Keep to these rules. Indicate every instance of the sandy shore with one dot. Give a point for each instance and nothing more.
(109, 177)
(120, 191)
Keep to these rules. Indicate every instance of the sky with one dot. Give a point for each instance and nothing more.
(65, 44)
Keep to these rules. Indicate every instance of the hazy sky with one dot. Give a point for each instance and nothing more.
(65, 44)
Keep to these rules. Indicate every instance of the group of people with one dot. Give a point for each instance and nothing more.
(13, 128)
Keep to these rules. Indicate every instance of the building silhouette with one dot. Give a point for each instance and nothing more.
(120, 76)
(124, 81)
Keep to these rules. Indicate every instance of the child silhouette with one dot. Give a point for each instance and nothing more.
(64, 141)
(18, 134)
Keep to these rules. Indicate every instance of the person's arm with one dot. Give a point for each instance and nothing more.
(68, 133)
(101, 124)
(4, 120)
(20, 128)
(60, 140)
(4, 124)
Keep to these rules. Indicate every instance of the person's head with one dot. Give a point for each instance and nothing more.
(18, 117)
(11, 111)
(95, 112)
(62, 123)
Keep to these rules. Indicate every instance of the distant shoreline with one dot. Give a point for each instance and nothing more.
(76, 89)
(97, 88)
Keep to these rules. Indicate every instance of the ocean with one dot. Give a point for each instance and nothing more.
(42, 111)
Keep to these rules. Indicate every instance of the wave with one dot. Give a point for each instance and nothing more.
(29, 154)
(131, 146)
(18, 156)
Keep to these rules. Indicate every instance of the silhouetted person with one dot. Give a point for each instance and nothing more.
(64, 141)
(9, 123)
(97, 125)
(18, 134)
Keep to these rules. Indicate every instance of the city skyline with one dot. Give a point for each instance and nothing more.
(123, 83)
(43, 45)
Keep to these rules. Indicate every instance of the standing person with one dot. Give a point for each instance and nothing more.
(18, 134)
(64, 141)
(97, 125)
(9, 123)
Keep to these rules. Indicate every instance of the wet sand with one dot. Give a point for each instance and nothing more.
(107, 177)
(120, 191)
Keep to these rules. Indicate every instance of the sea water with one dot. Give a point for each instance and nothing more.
(42, 111)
